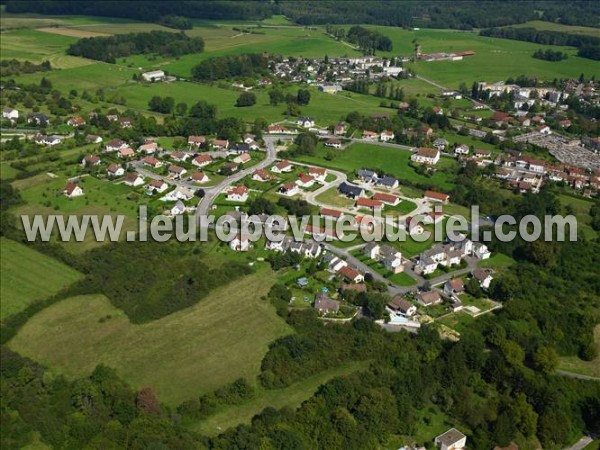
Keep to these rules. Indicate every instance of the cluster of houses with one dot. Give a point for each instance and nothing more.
(383, 136)
(332, 73)
(450, 254)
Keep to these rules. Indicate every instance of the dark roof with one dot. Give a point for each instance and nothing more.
(365, 173)
(324, 303)
(242, 148)
(350, 189)
(387, 181)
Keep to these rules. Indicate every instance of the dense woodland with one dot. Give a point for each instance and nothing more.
(464, 14)
(109, 48)
(222, 67)
(550, 55)
(369, 41)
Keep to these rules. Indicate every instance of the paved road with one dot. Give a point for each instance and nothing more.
(581, 443)
(213, 192)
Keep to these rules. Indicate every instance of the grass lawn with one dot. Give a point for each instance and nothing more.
(577, 365)
(332, 197)
(390, 160)
(291, 396)
(28, 275)
(183, 355)
(458, 321)
(402, 279)
(581, 210)
(497, 261)
(7, 172)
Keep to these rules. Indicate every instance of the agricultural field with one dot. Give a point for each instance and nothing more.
(494, 60)
(550, 26)
(183, 355)
(28, 275)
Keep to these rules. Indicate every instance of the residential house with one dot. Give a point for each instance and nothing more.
(240, 243)
(368, 203)
(133, 179)
(153, 75)
(414, 226)
(425, 155)
(39, 119)
(544, 129)
(462, 149)
(249, 138)
(454, 286)
(402, 307)
(289, 189)
(240, 148)
(126, 152)
(334, 143)
(351, 274)
(368, 176)
(115, 145)
(326, 305)
(125, 123)
(72, 190)
(196, 141)
(369, 135)
(152, 162)
(50, 141)
(305, 122)
(229, 168)
(483, 276)
(318, 173)
(177, 209)
(328, 212)
(440, 144)
(158, 186)
(333, 262)
(115, 170)
(149, 148)
(451, 440)
(202, 160)
(278, 129)
(482, 153)
(91, 160)
(388, 199)
(237, 193)
(388, 182)
(429, 298)
(282, 167)
(76, 121)
(10, 113)
(93, 139)
(220, 144)
(339, 129)
(176, 172)
(387, 135)
(436, 196)
(179, 156)
(330, 88)
(261, 175)
(350, 190)
(199, 177)
(391, 259)
(179, 193)
(305, 181)
(425, 130)
(371, 250)
(243, 158)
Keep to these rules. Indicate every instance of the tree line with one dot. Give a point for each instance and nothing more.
(368, 40)
(223, 67)
(550, 55)
(109, 48)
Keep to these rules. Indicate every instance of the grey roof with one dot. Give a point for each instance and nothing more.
(367, 174)
(450, 437)
(350, 190)
(387, 181)
(324, 303)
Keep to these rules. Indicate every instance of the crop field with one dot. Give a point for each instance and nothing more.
(390, 160)
(28, 275)
(183, 355)
(71, 32)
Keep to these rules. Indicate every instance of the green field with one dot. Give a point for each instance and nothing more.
(495, 59)
(551, 26)
(28, 275)
(390, 160)
(577, 365)
(291, 396)
(185, 354)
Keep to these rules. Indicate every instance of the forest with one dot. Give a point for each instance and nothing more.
(247, 65)
(463, 14)
(550, 55)
(109, 48)
(369, 41)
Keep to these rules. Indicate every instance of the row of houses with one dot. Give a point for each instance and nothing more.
(450, 254)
